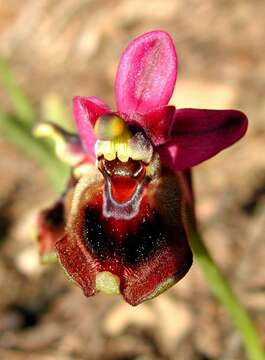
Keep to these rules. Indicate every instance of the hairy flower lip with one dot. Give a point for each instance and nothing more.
(143, 252)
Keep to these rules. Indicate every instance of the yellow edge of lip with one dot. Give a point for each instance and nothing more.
(108, 283)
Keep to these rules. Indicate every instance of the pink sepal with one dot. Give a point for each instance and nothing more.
(86, 110)
(197, 135)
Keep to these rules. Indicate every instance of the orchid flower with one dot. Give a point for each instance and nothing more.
(121, 226)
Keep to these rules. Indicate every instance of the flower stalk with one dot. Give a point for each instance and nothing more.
(226, 296)
(22, 106)
(13, 130)
(17, 128)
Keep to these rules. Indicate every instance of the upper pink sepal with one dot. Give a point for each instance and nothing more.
(197, 135)
(146, 74)
(86, 110)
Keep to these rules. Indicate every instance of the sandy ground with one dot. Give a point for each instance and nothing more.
(72, 47)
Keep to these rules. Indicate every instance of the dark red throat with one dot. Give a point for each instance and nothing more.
(123, 188)
(123, 177)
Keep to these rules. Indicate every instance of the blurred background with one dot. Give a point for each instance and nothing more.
(58, 49)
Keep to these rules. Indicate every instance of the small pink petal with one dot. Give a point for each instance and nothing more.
(157, 124)
(86, 110)
(50, 228)
(197, 135)
(146, 74)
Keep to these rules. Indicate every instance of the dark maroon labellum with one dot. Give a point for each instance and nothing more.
(148, 251)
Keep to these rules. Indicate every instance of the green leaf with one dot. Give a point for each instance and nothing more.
(12, 129)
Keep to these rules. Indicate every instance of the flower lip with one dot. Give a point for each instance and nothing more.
(123, 179)
(127, 203)
(123, 187)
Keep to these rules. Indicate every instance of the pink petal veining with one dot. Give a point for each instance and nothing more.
(146, 74)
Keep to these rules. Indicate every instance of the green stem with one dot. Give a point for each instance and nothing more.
(19, 100)
(226, 296)
(24, 140)
(24, 111)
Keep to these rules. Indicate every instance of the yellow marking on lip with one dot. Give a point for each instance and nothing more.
(161, 288)
(108, 283)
